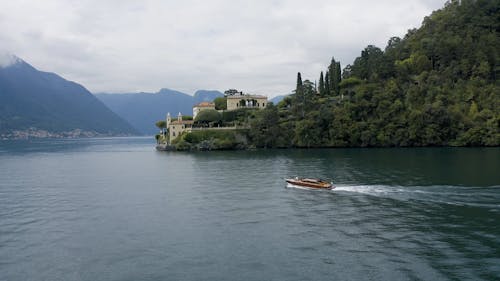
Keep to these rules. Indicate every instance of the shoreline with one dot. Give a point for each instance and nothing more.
(163, 147)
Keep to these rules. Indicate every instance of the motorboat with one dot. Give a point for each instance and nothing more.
(310, 182)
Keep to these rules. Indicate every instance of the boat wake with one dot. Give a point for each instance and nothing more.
(454, 195)
(483, 197)
(375, 189)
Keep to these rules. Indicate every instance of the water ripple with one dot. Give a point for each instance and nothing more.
(118, 210)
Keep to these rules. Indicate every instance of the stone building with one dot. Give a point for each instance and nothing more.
(246, 101)
(202, 106)
(235, 101)
(177, 127)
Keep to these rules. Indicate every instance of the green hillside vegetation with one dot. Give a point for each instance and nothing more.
(220, 103)
(221, 131)
(209, 116)
(437, 86)
(212, 140)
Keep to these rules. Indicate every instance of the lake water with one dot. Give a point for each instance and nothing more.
(116, 209)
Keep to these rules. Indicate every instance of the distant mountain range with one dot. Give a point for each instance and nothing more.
(142, 110)
(36, 103)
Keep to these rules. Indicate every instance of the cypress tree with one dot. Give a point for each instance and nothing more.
(338, 78)
(299, 96)
(331, 72)
(335, 77)
(299, 82)
(327, 84)
(321, 85)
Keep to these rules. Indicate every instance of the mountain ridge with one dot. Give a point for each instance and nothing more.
(143, 109)
(37, 101)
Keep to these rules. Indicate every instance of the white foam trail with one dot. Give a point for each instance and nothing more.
(367, 189)
(386, 189)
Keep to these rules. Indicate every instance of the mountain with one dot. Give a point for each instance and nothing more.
(204, 95)
(142, 110)
(277, 99)
(34, 102)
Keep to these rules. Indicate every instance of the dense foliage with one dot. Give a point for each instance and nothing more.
(212, 131)
(220, 103)
(211, 140)
(437, 86)
(207, 116)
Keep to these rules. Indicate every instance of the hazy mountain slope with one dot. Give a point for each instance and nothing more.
(277, 99)
(142, 110)
(45, 101)
(204, 95)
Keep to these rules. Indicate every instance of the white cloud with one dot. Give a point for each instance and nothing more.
(7, 59)
(256, 46)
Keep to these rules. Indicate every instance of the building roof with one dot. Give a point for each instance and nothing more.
(247, 97)
(205, 104)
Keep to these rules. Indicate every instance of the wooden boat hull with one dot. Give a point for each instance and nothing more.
(311, 183)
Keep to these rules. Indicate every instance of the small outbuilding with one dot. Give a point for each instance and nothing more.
(202, 106)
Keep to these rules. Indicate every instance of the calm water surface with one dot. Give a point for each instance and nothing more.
(115, 209)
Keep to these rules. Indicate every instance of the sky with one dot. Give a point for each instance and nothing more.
(258, 46)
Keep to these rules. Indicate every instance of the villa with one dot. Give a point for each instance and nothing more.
(235, 100)
(177, 127)
(246, 101)
(202, 106)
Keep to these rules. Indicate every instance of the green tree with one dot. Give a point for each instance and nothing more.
(208, 116)
(162, 125)
(327, 84)
(332, 79)
(265, 130)
(337, 78)
(366, 66)
(321, 85)
(299, 98)
(220, 103)
(299, 82)
(311, 95)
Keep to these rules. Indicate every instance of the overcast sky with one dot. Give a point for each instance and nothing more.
(255, 46)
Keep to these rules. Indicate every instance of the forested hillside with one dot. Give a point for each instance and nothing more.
(437, 86)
